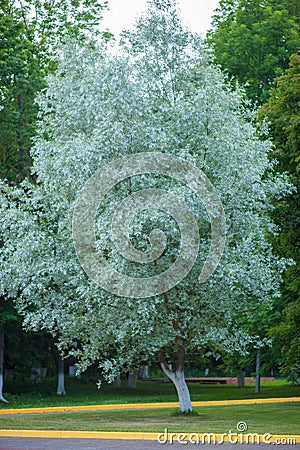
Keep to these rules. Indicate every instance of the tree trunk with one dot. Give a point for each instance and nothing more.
(178, 379)
(1, 362)
(241, 379)
(166, 378)
(182, 391)
(144, 371)
(72, 371)
(35, 376)
(132, 379)
(117, 382)
(257, 376)
(61, 377)
(8, 374)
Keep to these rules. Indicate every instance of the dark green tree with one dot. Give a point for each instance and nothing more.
(21, 78)
(8, 315)
(253, 39)
(29, 33)
(286, 339)
(283, 113)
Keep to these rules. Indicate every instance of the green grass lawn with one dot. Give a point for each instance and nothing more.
(267, 418)
(79, 393)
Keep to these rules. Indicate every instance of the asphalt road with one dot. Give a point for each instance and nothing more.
(8, 443)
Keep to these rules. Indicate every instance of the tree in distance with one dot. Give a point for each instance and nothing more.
(283, 112)
(252, 41)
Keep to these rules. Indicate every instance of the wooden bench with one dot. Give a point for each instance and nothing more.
(211, 380)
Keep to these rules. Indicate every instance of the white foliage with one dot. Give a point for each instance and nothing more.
(157, 93)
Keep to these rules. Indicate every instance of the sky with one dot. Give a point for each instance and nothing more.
(196, 14)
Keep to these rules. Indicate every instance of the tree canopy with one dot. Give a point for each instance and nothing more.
(21, 78)
(256, 42)
(29, 34)
(283, 112)
(253, 39)
(156, 93)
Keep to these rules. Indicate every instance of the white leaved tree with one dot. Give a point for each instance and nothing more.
(155, 92)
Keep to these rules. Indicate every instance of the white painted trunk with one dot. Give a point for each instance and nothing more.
(1, 388)
(144, 373)
(132, 379)
(117, 382)
(241, 379)
(61, 378)
(72, 371)
(177, 376)
(183, 392)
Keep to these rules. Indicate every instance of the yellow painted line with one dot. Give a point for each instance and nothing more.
(132, 406)
(78, 434)
(250, 401)
(109, 407)
(233, 438)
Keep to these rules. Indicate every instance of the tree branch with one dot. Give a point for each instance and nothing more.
(164, 364)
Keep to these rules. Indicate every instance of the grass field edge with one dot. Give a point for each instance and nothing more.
(132, 406)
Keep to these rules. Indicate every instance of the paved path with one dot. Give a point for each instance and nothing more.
(97, 444)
